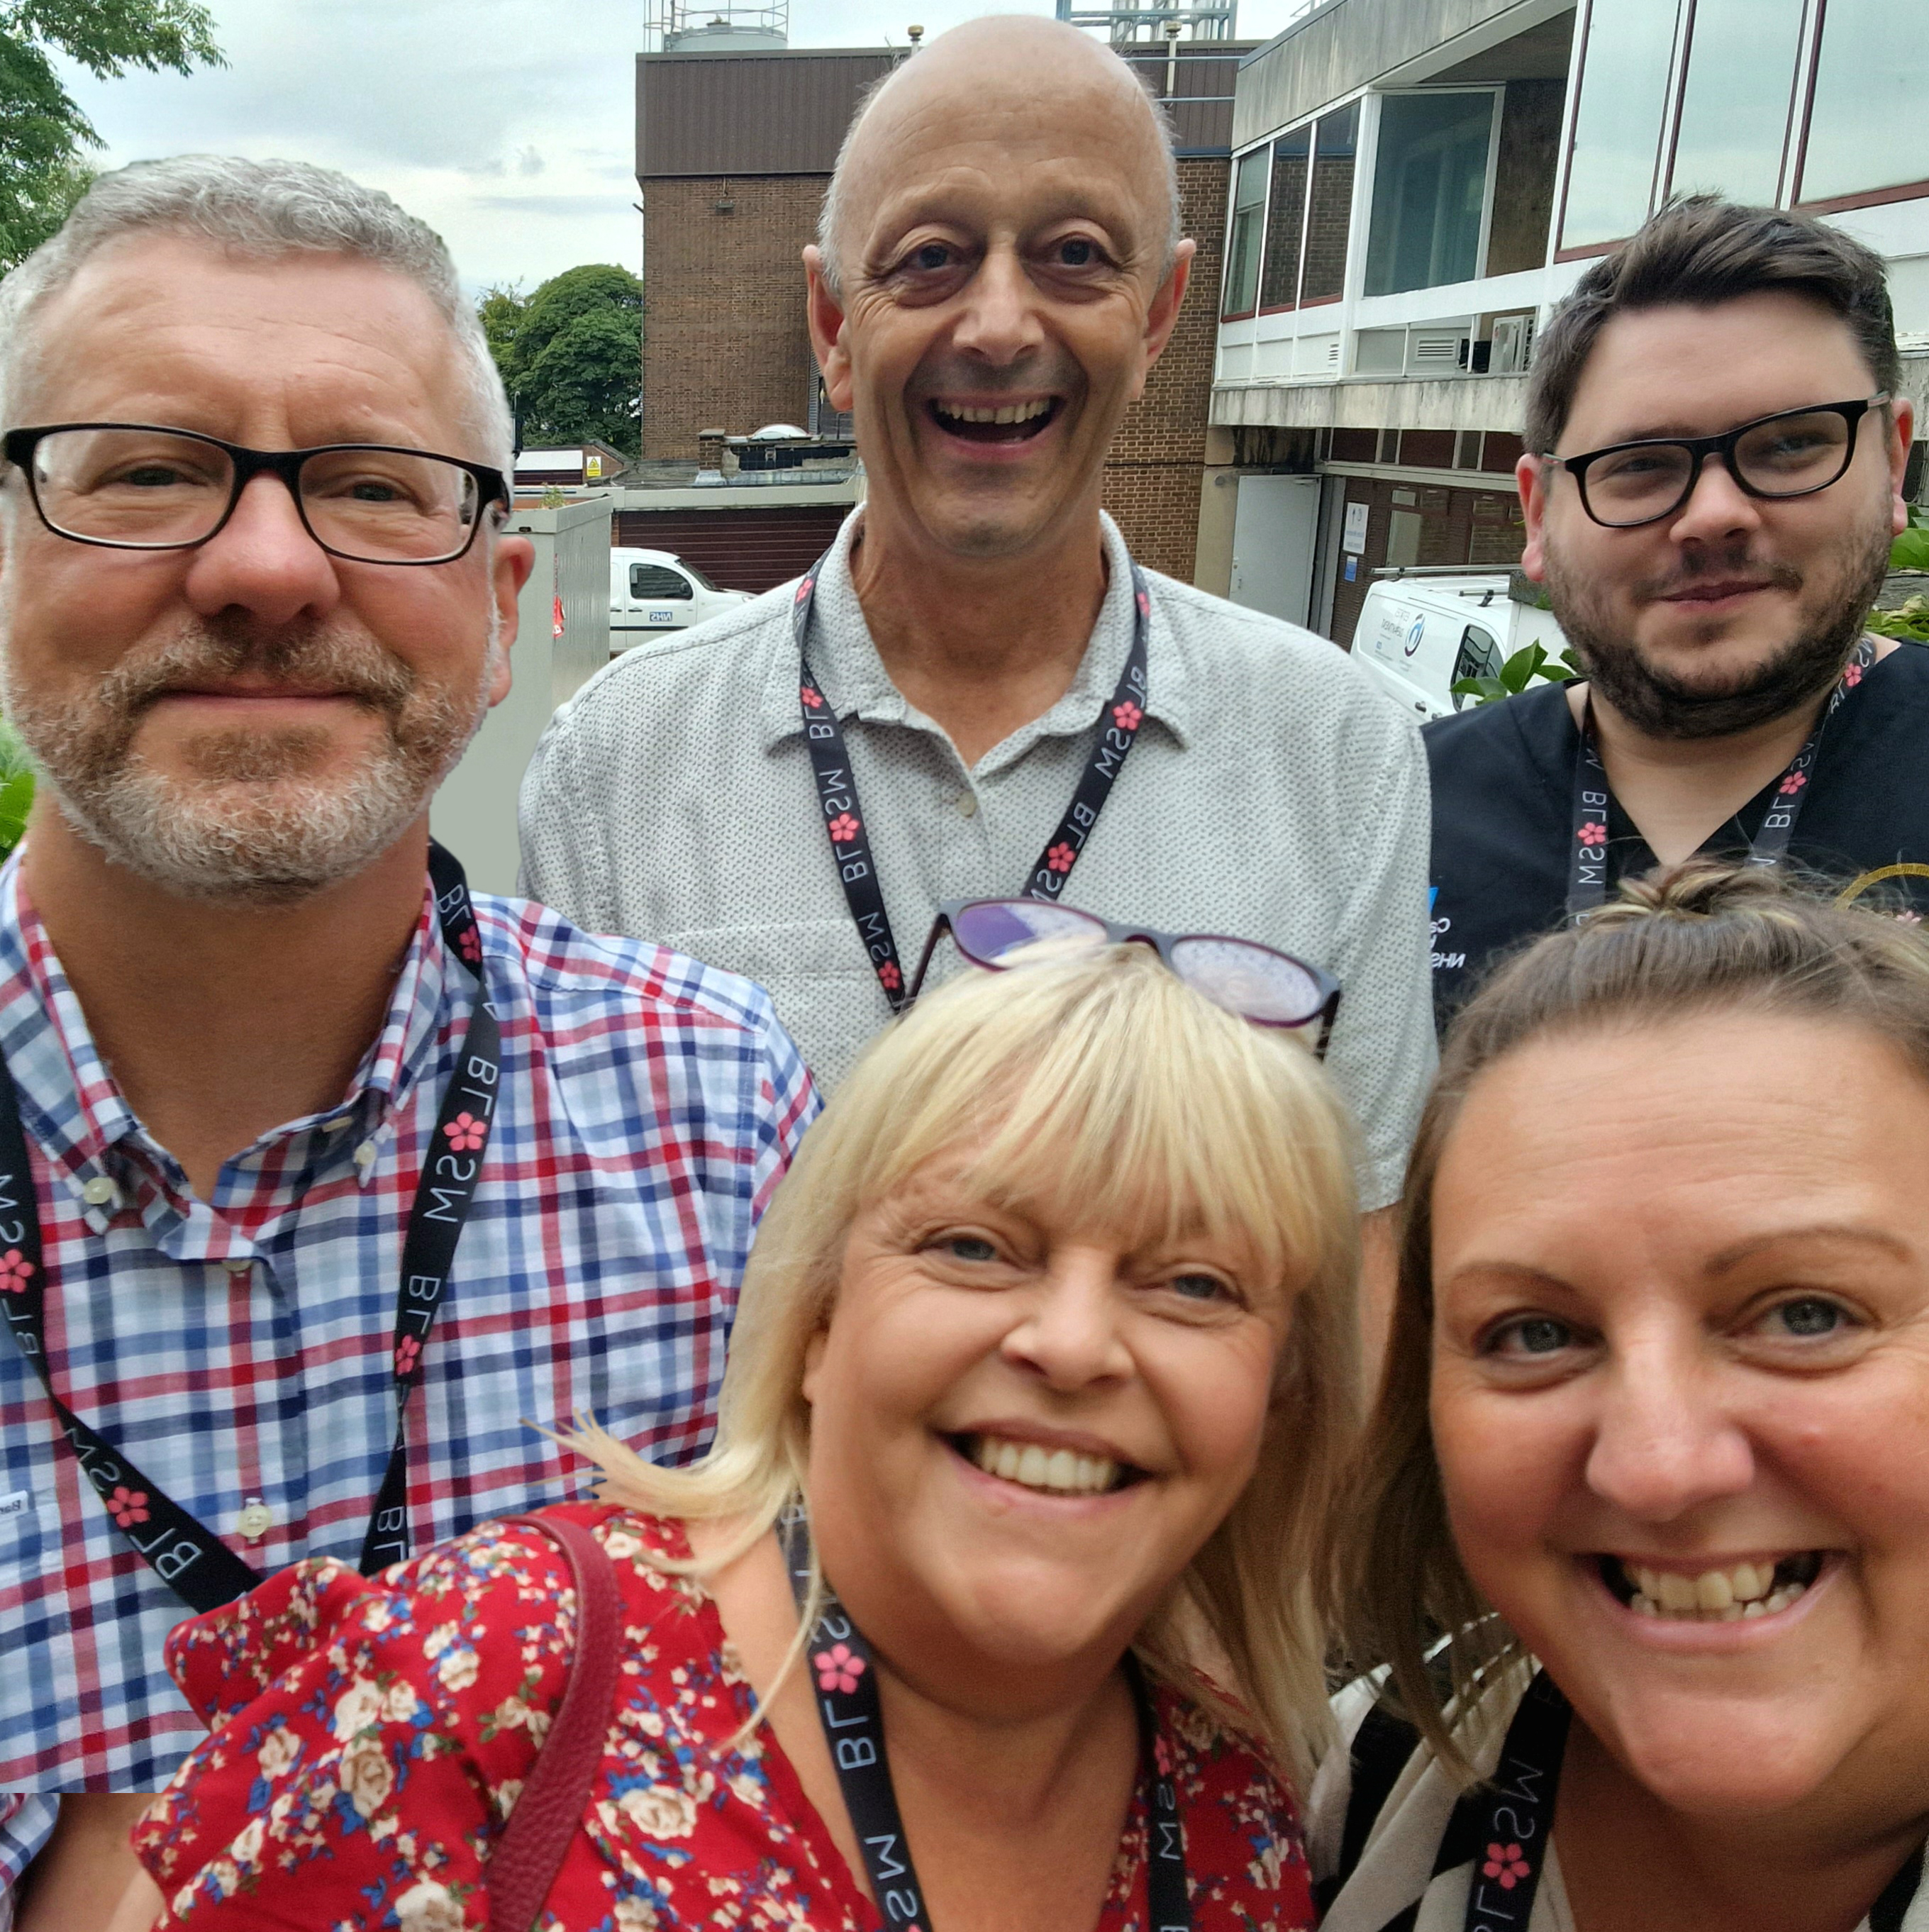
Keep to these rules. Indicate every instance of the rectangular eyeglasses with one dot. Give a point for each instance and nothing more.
(1792, 453)
(135, 486)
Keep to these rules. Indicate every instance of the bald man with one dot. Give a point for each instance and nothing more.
(975, 693)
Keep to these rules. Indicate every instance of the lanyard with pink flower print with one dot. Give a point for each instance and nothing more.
(850, 847)
(187, 1556)
(853, 1718)
(1587, 873)
(1516, 1813)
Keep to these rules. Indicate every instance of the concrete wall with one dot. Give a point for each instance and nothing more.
(1343, 47)
(474, 812)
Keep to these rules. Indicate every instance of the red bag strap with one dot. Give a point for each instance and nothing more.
(555, 1793)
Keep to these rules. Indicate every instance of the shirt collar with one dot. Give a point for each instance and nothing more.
(853, 680)
(72, 1104)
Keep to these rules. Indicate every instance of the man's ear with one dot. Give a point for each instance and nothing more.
(1162, 317)
(1530, 478)
(824, 314)
(1902, 427)
(509, 569)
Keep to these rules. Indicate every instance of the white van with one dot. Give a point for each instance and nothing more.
(654, 590)
(1418, 636)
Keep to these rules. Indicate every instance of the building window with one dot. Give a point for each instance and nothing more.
(1330, 206)
(1285, 222)
(1618, 120)
(1735, 102)
(1242, 245)
(1867, 129)
(1429, 190)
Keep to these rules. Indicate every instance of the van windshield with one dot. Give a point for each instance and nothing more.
(690, 571)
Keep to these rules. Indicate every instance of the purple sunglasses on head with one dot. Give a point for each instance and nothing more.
(1269, 987)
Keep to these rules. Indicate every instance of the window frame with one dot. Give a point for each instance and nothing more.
(1496, 92)
(688, 595)
(1796, 128)
(1817, 25)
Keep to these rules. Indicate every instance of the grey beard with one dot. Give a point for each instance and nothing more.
(254, 830)
(1660, 706)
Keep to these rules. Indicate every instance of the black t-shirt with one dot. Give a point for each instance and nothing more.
(1503, 814)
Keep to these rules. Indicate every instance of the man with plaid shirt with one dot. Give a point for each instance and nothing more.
(245, 646)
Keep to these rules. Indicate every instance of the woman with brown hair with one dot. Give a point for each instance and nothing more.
(1643, 1541)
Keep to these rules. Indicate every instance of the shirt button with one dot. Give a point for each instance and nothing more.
(237, 1264)
(967, 804)
(364, 1155)
(100, 1193)
(256, 1520)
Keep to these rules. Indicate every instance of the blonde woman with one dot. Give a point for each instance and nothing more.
(1045, 1363)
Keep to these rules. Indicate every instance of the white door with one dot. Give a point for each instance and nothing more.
(1273, 526)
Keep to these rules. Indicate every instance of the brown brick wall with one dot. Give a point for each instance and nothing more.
(1153, 473)
(724, 344)
(724, 341)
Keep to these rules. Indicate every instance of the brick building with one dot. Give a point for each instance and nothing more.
(733, 151)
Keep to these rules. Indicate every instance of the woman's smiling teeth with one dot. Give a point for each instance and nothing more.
(1713, 1596)
(1060, 1471)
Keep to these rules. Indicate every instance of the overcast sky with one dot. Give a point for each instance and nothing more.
(506, 124)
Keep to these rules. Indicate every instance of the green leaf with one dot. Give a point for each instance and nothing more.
(1910, 550)
(16, 799)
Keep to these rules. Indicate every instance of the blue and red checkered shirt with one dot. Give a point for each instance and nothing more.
(238, 1349)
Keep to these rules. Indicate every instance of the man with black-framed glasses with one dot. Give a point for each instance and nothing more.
(317, 1176)
(1716, 441)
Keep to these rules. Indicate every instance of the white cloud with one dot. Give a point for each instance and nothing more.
(507, 124)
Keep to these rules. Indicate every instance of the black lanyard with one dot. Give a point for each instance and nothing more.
(1587, 867)
(1517, 1826)
(1513, 1814)
(840, 1661)
(187, 1556)
(837, 786)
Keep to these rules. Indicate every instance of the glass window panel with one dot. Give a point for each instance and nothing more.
(1618, 124)
(1735, 103)
(1285, 224)
(1867, 128)
(1430, 183)
(1242, 245)
(1330, 214)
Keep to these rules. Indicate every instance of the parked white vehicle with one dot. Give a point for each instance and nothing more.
(1418, 636)
(652, 590)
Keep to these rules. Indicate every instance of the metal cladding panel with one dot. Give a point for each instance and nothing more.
(1200, 102)
(737, 550)
(748, 114)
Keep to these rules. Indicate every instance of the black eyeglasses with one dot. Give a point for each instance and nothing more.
(1268, 988)
(133, 486)
(1792, 453)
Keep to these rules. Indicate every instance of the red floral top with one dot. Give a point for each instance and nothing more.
(370, 1734)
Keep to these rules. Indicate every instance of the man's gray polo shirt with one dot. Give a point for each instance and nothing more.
(1272, 794)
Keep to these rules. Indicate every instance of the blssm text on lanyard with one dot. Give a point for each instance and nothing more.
(837, 789)
(849, 1708)
(1587, 866)
(187, 1556)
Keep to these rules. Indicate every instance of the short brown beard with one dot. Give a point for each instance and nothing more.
(250, 826)
(1660, 706)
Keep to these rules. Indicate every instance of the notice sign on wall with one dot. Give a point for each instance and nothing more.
(1355, 538)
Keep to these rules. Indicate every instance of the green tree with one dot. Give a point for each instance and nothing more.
(499, 309)
(42, 129)
(571, 354)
